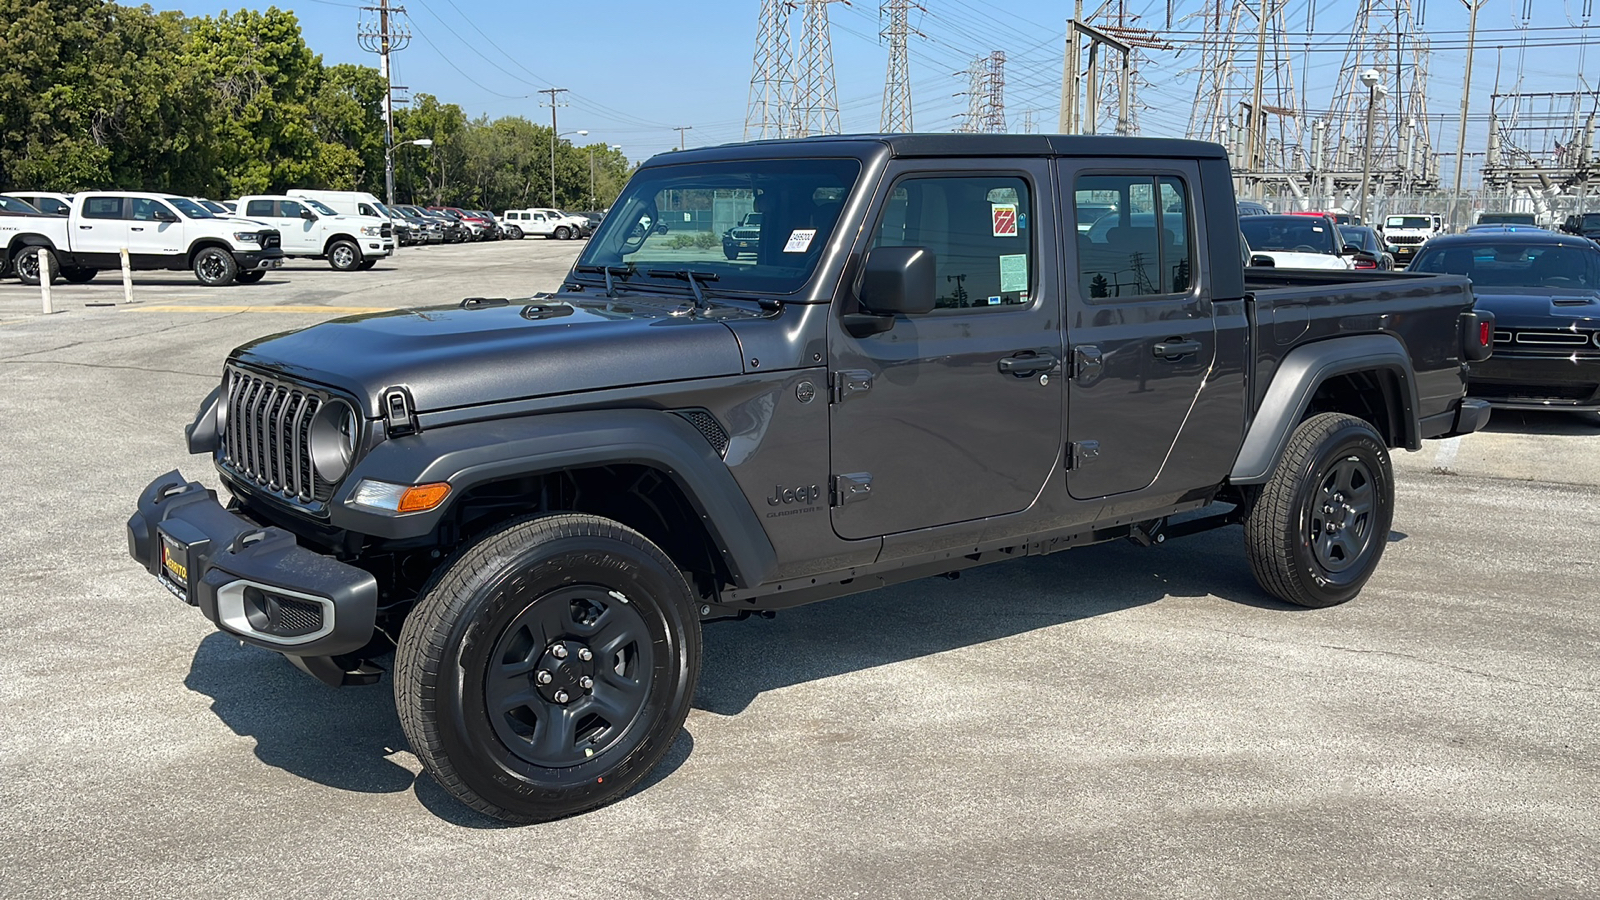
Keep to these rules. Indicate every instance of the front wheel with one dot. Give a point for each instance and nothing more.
(548, 668)
(1317, 530)
(514, 233)
(215, 267)
(344, 256)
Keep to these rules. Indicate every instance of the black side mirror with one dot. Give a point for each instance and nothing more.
(308, 215)
(162, 215)
(894, 281)
(1262, 261)
(1351, 250)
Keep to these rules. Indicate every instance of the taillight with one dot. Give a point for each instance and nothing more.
(1485, 333)
(1366, 264)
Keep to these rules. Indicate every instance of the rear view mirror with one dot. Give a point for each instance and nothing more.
(1262, 261)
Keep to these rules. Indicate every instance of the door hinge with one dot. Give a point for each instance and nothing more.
(848, 383)
(1081, 453)
(850, 488)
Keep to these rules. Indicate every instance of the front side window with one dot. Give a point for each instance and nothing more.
(290, 209)
(147, 210)
(1142, 247)
(102, 208)
(977, 228)
(682, 218)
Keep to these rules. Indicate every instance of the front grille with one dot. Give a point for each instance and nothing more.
(1554, 338)
(271, 239)
(386, 229)
(709, 428)
(267, 438)
(1405, 239)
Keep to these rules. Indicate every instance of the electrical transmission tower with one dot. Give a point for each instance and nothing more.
(816, 99)
(971, 120)
(1083, 96)
(992, 110)
(382, 30)
(897, 83)
(771, 114)
(1389, 38)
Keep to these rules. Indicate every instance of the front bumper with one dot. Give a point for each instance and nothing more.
(259, 260)
(378, 247)
(1519, 382)
(257, 584)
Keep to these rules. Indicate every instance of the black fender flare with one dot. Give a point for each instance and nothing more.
(480, 452)
(202, 243)
(1296, 380)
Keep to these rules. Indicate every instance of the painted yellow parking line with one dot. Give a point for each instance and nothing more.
(301, 310)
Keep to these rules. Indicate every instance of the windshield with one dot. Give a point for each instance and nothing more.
(319, 207)
(214, 207)
(1408, 222)
(387, 212)
(12, 204)
(1516, 264)
(1295, 234)
(676, 218)
(1591, 221)
(190, 208)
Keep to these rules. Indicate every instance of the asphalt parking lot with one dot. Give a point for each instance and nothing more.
(1109, 722)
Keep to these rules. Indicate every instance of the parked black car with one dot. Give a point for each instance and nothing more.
(536, 504)
(1585, 225)
(1544, 291)
(1365, 239)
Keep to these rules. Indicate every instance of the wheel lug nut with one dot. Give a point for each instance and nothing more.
(561, 696)
(585, 654)
(559, 651)
(543, 676)
(586, 682)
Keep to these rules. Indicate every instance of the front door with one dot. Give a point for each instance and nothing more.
(301, 236)
(1139, 321)
(150, 240)
(952, 415)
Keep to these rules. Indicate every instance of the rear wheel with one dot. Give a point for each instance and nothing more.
(250, 277)
(1317, 530)
(563, 232)
(215, 267)
(514, 233)
(549, 667)
(344, 255)
(28, 264)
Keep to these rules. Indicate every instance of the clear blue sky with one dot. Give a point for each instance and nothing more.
(637, 69)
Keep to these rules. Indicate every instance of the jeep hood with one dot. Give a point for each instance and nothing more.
(450, 357)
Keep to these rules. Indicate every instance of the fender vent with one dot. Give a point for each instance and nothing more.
(709, 428)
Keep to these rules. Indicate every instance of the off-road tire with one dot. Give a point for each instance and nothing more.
(1334, 463)
(215, 267)
(344, 256)
(79, 275)
(500, 599)
(250, 277)
(27, 265)
(514, 233)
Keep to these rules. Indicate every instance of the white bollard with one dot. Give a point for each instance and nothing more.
(127, 278)
(45, 277)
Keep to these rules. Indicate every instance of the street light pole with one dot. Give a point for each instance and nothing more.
(1369, 78)
(1466, 92)
(388, 163)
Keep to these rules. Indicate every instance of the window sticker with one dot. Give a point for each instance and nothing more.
(800, 240)
(1005, 219)
(1014, 272)
(994, 301)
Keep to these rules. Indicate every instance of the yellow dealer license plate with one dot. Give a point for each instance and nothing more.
(175, 562)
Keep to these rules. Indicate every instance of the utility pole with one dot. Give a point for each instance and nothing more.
(1068, 122)
(554, 93)
(896, 117)
(680, 130)
(1255, 104)
(1466, 93)
(383, 31)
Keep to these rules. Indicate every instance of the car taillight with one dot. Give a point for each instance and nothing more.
(1485, 333)
(1366, 264)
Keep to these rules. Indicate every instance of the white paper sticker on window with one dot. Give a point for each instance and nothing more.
(800, 240)
(1014, 272)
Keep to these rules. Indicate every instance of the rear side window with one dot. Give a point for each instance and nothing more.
(102, 208)
(258, 208)
(1142, 247)
(977, 228)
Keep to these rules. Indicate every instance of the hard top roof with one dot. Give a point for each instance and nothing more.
(953, 145)
(1514, 236)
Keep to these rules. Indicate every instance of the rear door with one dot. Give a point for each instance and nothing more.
(1140, 328)
(100, 231)
(955, 414)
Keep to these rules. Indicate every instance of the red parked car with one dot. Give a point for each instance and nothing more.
(481, 230)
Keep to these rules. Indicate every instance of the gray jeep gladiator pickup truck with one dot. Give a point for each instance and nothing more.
(924, 366)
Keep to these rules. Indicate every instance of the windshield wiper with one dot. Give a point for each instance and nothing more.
(694, 279)
(608, 271)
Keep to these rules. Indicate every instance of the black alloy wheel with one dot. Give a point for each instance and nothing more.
(215, 267)
(1317, 529)
(27, 265)
(548, 668)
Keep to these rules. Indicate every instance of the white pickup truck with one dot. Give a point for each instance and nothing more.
(159, 231)
(312, 229)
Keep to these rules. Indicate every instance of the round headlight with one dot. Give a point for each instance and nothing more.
(335, 432)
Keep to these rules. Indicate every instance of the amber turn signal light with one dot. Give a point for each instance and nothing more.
(423, 497)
